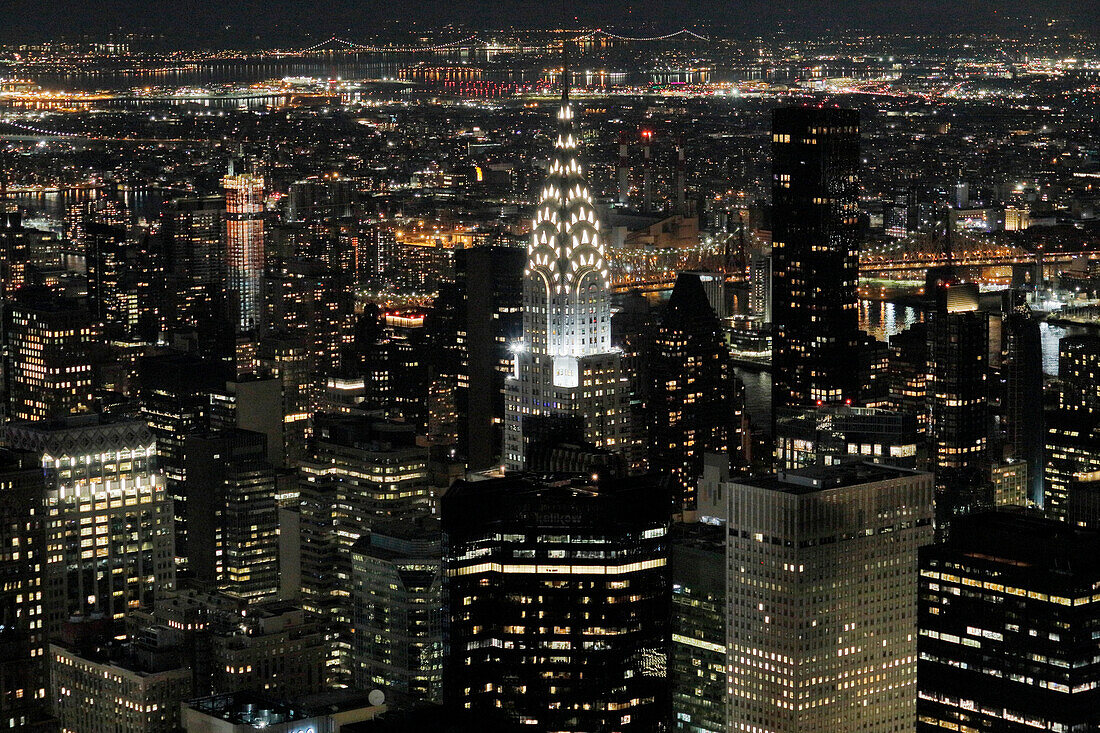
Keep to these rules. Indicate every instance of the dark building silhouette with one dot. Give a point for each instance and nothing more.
(696, 401)
(231, 513)
(477, 317)
(908, 374)
(958, 347)
(697, 663)
(815, 250)
(1007, 627)
(22, 634)
(175, 398)
(558, 600)
(1022, 377)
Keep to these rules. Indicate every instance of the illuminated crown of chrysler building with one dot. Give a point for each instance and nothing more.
(565, 365)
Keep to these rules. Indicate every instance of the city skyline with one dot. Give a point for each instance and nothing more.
(578, 375)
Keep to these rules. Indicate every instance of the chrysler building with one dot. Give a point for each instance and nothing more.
(565, 366)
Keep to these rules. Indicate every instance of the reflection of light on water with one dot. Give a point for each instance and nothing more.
(883, 318)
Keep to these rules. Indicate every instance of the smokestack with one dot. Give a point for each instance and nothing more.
(624, 169)
(647, 173)
(680, 183)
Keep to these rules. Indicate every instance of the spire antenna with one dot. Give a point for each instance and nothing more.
(565, 69)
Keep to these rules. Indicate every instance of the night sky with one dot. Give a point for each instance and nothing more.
(250, 23)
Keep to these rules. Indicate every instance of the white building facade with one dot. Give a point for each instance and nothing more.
(565, 366)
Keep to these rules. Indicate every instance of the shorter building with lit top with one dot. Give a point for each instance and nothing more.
(116, 689)
(837, 433)
(821, 597)
(1009, 617)
(247, 712)
(558, 600)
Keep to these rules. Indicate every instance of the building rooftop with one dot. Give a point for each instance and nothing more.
(819, 478)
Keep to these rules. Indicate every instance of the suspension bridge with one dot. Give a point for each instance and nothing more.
(335, 44)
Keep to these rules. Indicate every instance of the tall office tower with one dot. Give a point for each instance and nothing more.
(1079, 373)
(696, 401)
(288, 360)
(1072, 445)
(907, 374)
(50, 343)
(231, 513)
(174, 399)
(815, 255)
(565, 364)
(760, 284)
(244, 240)
(358, 470)
(108, 517)
(474, 320)
(822, 578)
(16, 249)
(558, 601)
(1008, 621)
(397, 610)
(309, 300)
(899, 212)
(633, 329)
(22, 635)
(958, 346)
(1022, 404)
(834, 434)
(111, 297)
(697, 657)
(192, 230)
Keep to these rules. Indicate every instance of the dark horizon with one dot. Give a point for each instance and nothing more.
(252, 23)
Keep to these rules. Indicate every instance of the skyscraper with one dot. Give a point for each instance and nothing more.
(696, 401)
(1072, 445)
(1022, 377)
(565, 364)
(558, 601)
(476, 317)
(815, 253)
(958, 346)
(697, 660)
(22, 633)
(231, 513)
(821, 592)
(108, 517)
(48, 366)
(244, 240)
(397, 610)
(1008, 619)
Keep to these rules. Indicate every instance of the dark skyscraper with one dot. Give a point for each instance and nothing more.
(958, 347)
(1022, 376)
(815, 250)
(22, 634)
(697, 403)
(1008, 620)
(232, 518)
(558, 595)
(479, 314)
